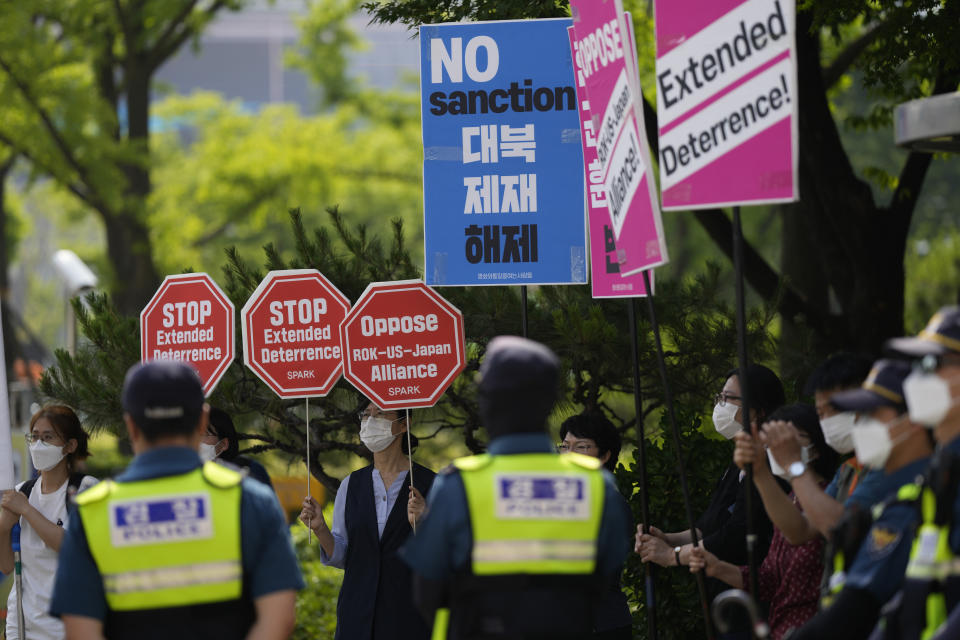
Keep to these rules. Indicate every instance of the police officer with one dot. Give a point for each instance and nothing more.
(516, 543)
(884, 438)
(932, 582)
(174, 548)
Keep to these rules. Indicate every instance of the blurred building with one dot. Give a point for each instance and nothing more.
(241, 55)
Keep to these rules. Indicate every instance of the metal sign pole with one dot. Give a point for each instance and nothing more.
(306, 404)
(648, 569)
(523, 310)
(743, 363)
(668, 401)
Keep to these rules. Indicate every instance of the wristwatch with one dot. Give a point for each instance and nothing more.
(795, 470)
(676, 554)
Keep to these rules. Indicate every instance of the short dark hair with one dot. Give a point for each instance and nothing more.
(67, 425)
(222, 423)
(804, 417)
(842, 370)
(163, 397)
(766, 390)
(414, 442)
(594, 425)
(519, 384)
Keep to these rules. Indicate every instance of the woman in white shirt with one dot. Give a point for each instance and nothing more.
(57, 442)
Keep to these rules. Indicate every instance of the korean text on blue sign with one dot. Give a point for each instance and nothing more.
(503, 168)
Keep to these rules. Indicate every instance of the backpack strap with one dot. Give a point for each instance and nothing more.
(73, 482)
(27, 486)
(76, 479)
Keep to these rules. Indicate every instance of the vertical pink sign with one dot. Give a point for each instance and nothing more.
(604, 54)
(727, 102)
(605, 278)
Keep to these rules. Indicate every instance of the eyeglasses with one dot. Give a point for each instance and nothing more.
(930, 362)
(723, 398)
(580, 447)
(49, 438)
(379, 414)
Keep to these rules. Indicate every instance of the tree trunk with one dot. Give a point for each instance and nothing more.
(836, 239)
(128, 247)
(10, 348)
(128, 236)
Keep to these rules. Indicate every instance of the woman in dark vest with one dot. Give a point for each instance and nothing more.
(372, 517)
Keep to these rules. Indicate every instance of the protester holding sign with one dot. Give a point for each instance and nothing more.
(723, 524)
(789, 577)
(57, 443)
(370, 523)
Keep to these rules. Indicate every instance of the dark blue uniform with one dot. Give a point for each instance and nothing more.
(877, 571)
(269, 563)
(441, 550)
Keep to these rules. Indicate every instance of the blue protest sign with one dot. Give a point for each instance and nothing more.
(503, 198)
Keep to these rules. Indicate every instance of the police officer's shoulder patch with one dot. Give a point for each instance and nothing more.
(95, 493)
(472, 463)
(882, 541)
(581, 460)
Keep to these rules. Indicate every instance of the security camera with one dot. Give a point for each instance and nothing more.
(75, 274)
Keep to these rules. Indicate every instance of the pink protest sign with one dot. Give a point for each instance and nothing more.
(604, 54)
(727, 102)
(605, 279)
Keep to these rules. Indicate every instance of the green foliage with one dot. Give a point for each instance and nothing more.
(678, 603)
(317, 601)
(590, 336)
(106, 460)
(75, 83)
(91, 380)
(935, 263)
(326, 40)
(911, 40)
(416, 12)
(243, 170)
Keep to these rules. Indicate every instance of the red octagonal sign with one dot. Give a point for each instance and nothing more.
(291, 332)
(403, 344)
(189, 319)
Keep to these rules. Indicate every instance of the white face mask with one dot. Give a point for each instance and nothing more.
(207, 452)
(807, 454)
(872, 442)
(724, 420)
(838, 431)
(928, 397)
(376, 433)
(45, 456)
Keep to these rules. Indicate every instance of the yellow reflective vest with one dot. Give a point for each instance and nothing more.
(931, 559)
(168, 541)
(535, 513)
